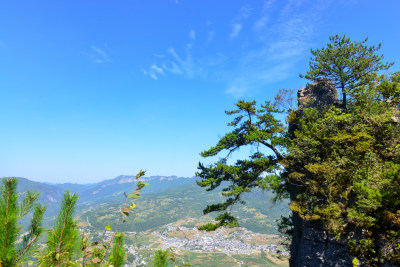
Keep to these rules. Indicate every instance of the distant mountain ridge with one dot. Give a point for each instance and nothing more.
(51, 194)
(130, 179)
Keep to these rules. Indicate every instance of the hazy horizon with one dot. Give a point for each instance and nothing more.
(100, 179)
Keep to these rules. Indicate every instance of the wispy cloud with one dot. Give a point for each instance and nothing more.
(175, 69)
(185, 65)
(172, 63)
(237, 91)
(238, 21)
(262, 21)
(252, 75)
(100, 56)
(282, 35)
(155, 70)
(192, 35)
(236, 28)
(244, 12)
(159, 55)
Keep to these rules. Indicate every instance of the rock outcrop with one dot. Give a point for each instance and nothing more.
(312, 245)
(322, 95)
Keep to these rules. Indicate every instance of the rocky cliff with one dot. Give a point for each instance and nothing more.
(312, 245)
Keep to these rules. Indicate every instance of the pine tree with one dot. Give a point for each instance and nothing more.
(161, 258)
(65, 246)
(341, 167)
(12, 250)
(254, 127)
(117, 257)
(62, 245)
(348, 64)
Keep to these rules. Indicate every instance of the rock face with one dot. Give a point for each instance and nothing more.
(312, 245)
(322, 95)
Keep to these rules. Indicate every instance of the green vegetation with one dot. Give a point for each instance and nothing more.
(164, 258)
(117, 257)
(161, 258)
(62, 245)
(254, 127)
(156, 210)
(349, 64)
(12, 250)
(341, 166)
(346, 165)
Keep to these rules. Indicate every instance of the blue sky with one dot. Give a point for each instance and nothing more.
(91, 89)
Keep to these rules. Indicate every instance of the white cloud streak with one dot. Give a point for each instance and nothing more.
(286, 33)
(154, 71)
(173, 64)
(100, 56)
(238, 21)
(282, 34)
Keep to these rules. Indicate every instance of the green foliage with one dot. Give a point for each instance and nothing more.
(65, 247)
(62, 245)
(161, 258)
(12, 251)
(128, 206)
(252, 127)
(183, 202)
(346, 168)
(117, 257)
(165, 258)
(348, 64)
(389, 87)
(341, 166)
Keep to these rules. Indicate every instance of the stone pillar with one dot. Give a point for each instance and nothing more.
(312, 245)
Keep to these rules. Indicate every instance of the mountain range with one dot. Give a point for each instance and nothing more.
(167, 199)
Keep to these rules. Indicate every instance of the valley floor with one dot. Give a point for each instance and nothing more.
(223, 247)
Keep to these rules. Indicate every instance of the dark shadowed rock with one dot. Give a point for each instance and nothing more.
(313, 246)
